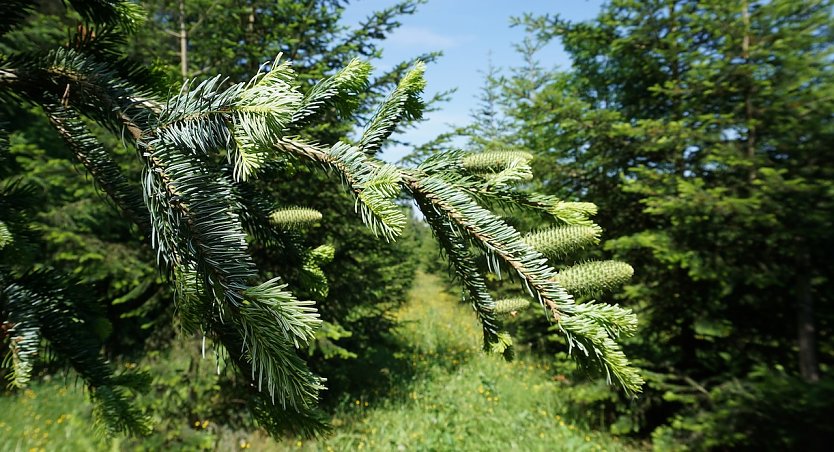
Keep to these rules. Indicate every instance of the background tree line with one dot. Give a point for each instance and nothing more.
(703, 130)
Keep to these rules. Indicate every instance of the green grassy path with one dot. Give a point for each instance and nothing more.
(458, 398)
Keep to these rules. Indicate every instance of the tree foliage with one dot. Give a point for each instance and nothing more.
(701, 129)
(200, 212)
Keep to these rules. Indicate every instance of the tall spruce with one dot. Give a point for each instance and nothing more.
(199, 208)
(702, 129)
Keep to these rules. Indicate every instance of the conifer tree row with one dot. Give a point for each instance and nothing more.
(198, 209)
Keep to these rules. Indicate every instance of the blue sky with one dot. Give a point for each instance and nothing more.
(470, 33)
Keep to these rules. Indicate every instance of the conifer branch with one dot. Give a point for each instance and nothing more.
(342, 90)
(494, 236)
(403, 103)
(41, 306)
(465, 268)
(105, 172)
(450, 207)
(199, 211)
(373, 184)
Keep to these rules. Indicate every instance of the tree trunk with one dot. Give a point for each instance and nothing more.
(183, 42)
(808, 365)
(748, 97)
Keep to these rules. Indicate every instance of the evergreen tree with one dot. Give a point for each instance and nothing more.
(202, 213)
(702, 128)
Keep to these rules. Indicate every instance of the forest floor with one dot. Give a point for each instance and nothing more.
(452, 397)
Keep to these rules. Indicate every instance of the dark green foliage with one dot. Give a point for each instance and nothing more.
(14, 12)
(42, 306)
(702, 131)
(766, 410)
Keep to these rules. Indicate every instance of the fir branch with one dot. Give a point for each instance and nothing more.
(267, 103)
(123, 13)
(304, 421)
(105, 172)
(586, 326)
(42, 300)
(342, 90)
(494, 236)
(24, 339)
(495, 192)
(404, 103)
(437, 196)
(200, 213)
(374, 186)
(101, 90)
(465, 269)
(565, 212)
(515, 171)
(592, 330)
(274, 324)
(190, 300)
(196, 118)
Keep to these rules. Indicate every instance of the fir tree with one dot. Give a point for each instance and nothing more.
(702, 129)
(200, 212)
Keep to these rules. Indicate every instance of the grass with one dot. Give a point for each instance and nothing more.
(433, 389)
(458, 398)
(48, 417)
